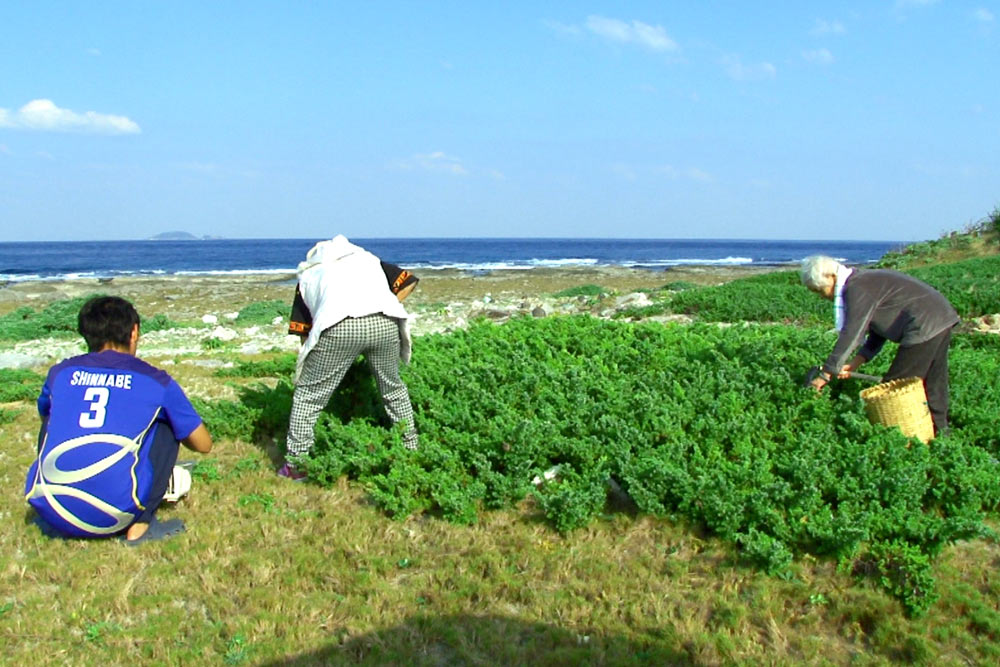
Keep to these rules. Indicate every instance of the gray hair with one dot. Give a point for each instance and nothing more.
(816, 269)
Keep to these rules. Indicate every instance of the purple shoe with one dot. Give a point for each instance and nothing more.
(291, 472)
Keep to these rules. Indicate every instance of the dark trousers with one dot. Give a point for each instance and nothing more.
(163, 456)
(929, 361)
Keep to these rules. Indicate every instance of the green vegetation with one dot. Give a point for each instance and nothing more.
(679, 286)
(972, 286)
(582, 290)
(586, 492)
(703, 425)
(158, 322)
(981, 237)
(263, 312)
(55, 319)
(59, 319)
(770, 297)
(281, 365)
(19, 385)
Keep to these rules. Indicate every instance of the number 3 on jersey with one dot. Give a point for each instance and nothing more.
(98, 397)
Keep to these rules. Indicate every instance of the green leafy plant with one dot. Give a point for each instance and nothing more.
(263, 312)
(19, 385)
(698, 422)
(582, 290)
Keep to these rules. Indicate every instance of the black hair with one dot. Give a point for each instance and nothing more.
(107, 320)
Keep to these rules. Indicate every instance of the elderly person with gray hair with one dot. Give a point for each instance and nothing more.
(886, 305)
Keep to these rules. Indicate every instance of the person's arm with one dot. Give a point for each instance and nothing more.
(301, 319)
(183, 418)
(859, 306)
(854, 364)
(873, 345)
(199, 440)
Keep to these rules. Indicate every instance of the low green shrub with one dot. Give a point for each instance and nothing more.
(281, 365)
(769, 297)
(972, 286)
(582, 290)
(702, 424)
(263, 312)
(58, 318)
(19, 385)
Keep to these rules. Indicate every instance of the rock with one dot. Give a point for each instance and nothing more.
(635, 299)
(19, 360)
(207, 363)
(209, 319)
(222, 333)
(538, 311)
(231, 316)
(277, 320)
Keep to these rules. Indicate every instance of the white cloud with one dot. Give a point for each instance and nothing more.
(736, 69)
(674, 173)
(984, 15)
(44, 115)
(563, 28)
(198, 167)
(818, 56)
(652, 37)
(436, 161)
(698, 175)
(624, 171)
(667, 170)
(824, 27)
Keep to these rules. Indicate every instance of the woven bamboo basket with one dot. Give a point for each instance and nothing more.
(901, 403)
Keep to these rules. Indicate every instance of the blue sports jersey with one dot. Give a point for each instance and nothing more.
(92, 475)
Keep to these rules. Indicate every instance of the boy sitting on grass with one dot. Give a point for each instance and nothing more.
(109, 435)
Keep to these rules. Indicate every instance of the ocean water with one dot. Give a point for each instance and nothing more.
(94, 259)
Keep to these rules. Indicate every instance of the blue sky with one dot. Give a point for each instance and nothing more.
(860, 120)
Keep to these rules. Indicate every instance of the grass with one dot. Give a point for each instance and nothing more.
(274, 572)
(271, 572)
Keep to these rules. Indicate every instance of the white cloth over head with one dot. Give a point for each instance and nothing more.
(338, 280)
(843, 273)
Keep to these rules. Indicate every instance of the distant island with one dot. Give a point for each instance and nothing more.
(181, 236)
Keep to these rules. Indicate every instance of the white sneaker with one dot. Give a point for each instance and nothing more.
(178, 486)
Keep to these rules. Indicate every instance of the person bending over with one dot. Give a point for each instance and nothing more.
(347, 303)
(886, 305)
(109, 435)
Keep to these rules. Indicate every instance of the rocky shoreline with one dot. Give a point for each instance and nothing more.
(445, 300)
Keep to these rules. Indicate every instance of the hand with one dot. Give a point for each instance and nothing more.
(819, 382)
(845, 372)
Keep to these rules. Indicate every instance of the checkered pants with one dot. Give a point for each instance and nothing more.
(377, 337)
